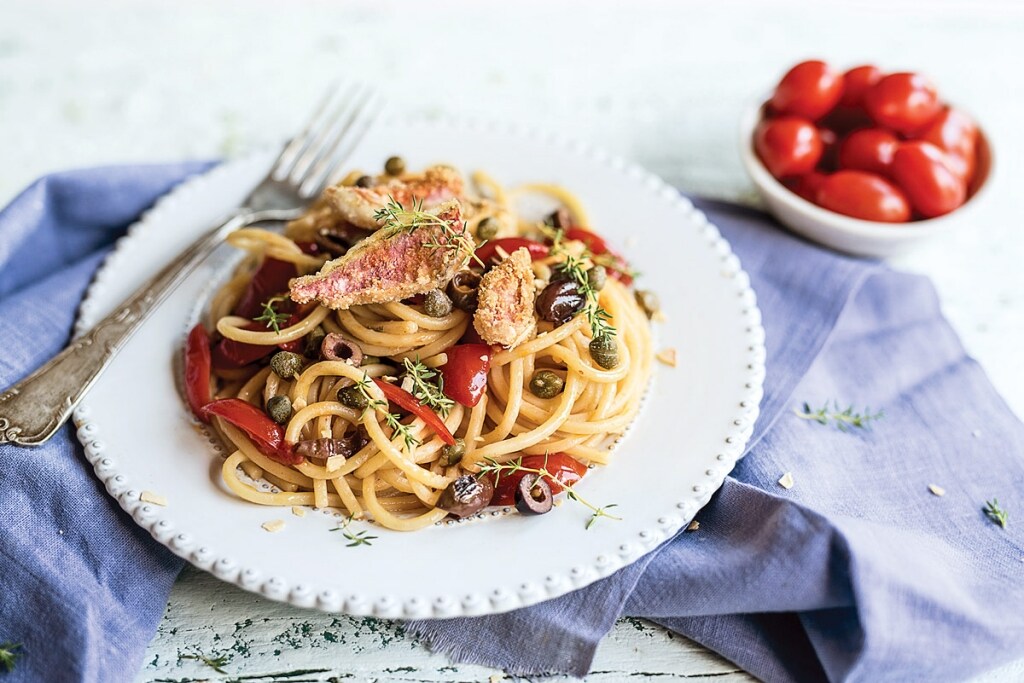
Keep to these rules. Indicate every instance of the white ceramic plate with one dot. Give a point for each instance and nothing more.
(692, 428)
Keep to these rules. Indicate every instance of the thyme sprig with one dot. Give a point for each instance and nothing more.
(497, 468)
(575, 266)
(395, 217)
(392, 420)
(356, 538)
(216, 663)
(9, 655)
(997, 514)
(844, 418)
(270, 316)
(428, 386)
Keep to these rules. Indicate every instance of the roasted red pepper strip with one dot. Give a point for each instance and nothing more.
(229, 354)
(197, 371)
(619, 268)
(489, 252)
(406, 401)
(465, 373)
(564, 468)
(266, 435)
(269, 280)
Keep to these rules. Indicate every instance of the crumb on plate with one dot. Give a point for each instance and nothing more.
(273, 525)
(298, 511)
(786, 481)
(693, 526)
(154, 498)
(667, 356)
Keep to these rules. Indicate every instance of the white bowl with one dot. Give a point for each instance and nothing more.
(852, 235)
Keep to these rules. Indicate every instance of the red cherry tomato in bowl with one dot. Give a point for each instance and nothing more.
(807, 185)
(564, 468)
(925, 175)
(956, 133)
(904, 102)
(869, 149)
(856, 82)
(788, 146)
(863, 195)
(810, 89)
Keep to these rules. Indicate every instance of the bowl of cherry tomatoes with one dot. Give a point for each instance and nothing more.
(862, 161)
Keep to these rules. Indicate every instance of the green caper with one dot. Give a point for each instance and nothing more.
(394, 166)
(648, 301)
(452, 455)
(488, 229)
(286, 364)
(280, 409)
(314, 340)
(353, 398)
(604, 351)
(370, 360)
(364, 181)
(596, 277)
(546, 384)
(436, 304)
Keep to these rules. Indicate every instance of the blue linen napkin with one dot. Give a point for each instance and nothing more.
(857, 572)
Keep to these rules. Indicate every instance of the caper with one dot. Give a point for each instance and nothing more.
(604, 351)
(546, 384)
(394, 166)
(596, 277)
(560, 301)
(313, 342)
(353, 398)
(452, 455)
(462, 290)
(488, 229)
(648, 301)
(436, 304)
(280, 409)
(370, 360)
(364, 181)
(286, 364)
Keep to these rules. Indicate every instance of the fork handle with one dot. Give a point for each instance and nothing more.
(34, 409)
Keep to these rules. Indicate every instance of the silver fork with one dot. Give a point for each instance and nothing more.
(34, 409)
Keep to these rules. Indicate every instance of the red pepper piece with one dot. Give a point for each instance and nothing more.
(269, 280)
(465, 373)
(229, 354)
(197, 371)
(564, 468)
(619, 269)
(406, 401)
(266, 435)
(488, 253)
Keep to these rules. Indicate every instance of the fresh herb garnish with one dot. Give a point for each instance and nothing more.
(215, 663)
(270, 316)
(493, 466)
(428, 386)
(844, 418)
(395, 218)
(355, 538)
(9, 655)
(997, 514)
(390, 419)
(575, 267)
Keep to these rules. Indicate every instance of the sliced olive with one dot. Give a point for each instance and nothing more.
(364, 181)
(462, 290)
(279, 408)
(318, 451)
(452, 455)
(353, 398)
(546, 384)
(560, 219)
(596, 277)
(394, 166)
(604, 351)
(286, 364)
(313, 342)
(488, 229)
(560, 301)
(436, 304)
(648, 301)
(466, 496)
(336, 347)
(533, 495)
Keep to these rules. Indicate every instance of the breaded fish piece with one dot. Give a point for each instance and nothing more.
(506, 298)
(391, 264)
(357, 205)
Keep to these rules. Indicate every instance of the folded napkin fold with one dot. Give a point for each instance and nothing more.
(857, 572)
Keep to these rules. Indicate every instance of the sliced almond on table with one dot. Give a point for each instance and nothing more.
(273, 525)
(693, 526)
(154, 498)
(667, 356)
(786, 481)
(937, 490)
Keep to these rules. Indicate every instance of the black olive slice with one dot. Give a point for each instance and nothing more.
(533, 495)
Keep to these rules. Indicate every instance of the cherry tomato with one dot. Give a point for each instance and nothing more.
(870, 149)
(863, 195)
(266, 435)
(807, 185)
(810, 89)
(829, 160)
(197, 371)
(923, 172)
(904, 102)
(856, 82)
(788, 146)
(465, 373)
(957, 134)
(565, 470)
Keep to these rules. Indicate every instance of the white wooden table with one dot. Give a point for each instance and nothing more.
(662, 83)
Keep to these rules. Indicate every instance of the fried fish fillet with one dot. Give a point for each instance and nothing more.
(506, 299)
(357, 205)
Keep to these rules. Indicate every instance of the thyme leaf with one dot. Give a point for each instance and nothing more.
(395, 218)
(215, 663)
(576, 268)
(997, 514)
(428, 386)
(9, 655)
(355, 539)
(843, 418)
(392, 420)
(270, 316)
